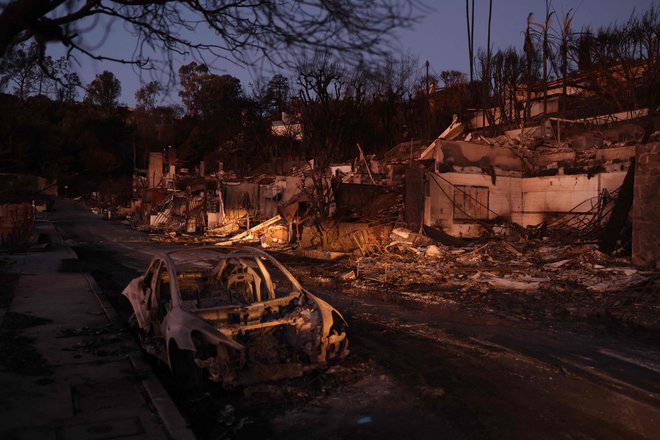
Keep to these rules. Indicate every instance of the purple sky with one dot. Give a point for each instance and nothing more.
(440, 37)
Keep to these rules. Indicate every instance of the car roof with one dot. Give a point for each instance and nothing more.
(230, 251)
(211, 254)
(220, 253)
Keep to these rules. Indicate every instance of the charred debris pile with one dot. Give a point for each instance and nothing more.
(514, 277)
(557, 209)
(24, 199)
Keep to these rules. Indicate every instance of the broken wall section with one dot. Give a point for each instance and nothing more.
(261, 199)
(646, 207)
(463, 203)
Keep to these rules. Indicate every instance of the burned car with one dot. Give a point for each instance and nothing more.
(234, 315)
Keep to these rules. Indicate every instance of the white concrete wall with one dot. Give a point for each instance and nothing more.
(527, 201)
(546, 197)
(504, 199)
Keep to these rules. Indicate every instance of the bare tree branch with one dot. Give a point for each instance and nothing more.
(243, 28)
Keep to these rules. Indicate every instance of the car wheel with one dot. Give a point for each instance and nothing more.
(135, 328)
(144, 337)
(188, 377)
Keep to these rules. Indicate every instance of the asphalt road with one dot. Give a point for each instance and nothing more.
(417, 371)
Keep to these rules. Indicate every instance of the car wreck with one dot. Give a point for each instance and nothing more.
(234, 315)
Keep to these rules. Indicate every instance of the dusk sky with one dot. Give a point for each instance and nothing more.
(440, 37)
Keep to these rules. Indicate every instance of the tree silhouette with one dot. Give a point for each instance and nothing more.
(242, 28)
(104, 91)
(146, 95)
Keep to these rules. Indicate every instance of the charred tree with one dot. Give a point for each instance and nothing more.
(268, 29)
(612, 231)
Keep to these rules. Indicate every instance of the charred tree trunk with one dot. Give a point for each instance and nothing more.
(624, 201)
(487, 82)
(470, 32)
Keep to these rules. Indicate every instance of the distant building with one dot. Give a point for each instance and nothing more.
(287, 126)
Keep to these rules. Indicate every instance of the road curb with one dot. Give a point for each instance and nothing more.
(105, 305)
(174, 423)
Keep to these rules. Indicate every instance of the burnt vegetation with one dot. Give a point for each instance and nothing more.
(56, 127)
(617, 64)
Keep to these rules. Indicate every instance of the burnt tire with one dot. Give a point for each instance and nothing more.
(188, 377)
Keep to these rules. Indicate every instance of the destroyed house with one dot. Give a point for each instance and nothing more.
(560, 170)
(573, 99)
(175, 198)
(22, 197)
(259, 198)
(289, 126)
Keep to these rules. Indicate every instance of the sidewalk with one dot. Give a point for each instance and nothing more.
(73, 374)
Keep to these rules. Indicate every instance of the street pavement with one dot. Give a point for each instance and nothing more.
(424, 370)
(76, 374)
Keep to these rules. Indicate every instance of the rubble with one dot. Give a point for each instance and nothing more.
(525, 279)
(472, 186)
(16, 226)
(433, 251)
(483, 216)
(255, 231)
